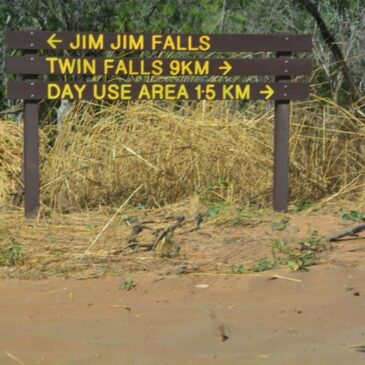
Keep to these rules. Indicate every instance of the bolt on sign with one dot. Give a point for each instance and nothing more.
(32, 90)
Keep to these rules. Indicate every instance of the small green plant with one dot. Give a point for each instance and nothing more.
(264, 265)
(233, 215)
(353, 215)
(279, 225)
(300, 205)
(223, 181)
(215, 209)
(129, 219)
(12, 254)
(127, 284)
(297, 259)
(237, 269)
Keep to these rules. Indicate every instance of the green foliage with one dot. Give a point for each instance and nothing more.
(353, 215)
(300, 205)
(216, 208)
(129, 219)
(343, 18)
(12, 254)
(127, 284)
(297, 259)
(170, 16)
(237, 269)
(226, 214)
(264, 265)
(279, 225)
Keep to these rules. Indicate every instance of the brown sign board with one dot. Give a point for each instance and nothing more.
(38, 90)
(37, 65)
(36, 40)
(32, 90)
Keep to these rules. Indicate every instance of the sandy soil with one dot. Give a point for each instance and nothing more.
(238, 319)
(205, 316)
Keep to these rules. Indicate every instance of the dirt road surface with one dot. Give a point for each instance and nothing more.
(231, 319)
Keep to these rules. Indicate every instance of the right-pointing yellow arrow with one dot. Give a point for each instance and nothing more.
(269, 92)
(226, 67)
(52, 41)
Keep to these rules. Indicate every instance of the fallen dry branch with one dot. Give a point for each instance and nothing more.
(168, 231)
(353, 231)
(198, 221)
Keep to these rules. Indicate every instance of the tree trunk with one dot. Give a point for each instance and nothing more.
(335, 49)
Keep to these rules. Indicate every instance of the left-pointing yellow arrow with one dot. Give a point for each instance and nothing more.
(226, 67)
(269, 92)
(52, 41)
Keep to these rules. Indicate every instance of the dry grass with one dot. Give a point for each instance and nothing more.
(92, 244)
(214, 149)
(60, 244)
(165, 153)
(10, 160)
(11, 153)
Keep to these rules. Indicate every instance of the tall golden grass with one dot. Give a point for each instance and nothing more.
(217, 150)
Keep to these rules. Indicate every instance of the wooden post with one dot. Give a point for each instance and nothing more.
(281, 148)
(31, 149)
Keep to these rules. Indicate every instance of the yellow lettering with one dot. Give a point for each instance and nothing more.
(169, 92)
(89, 66)
(204, 43)
(125, 93)
(174, 67)
(96, 42)
(183, 67)
(80, 89)
(191, 44)
(243, 94)
(53, 91)
(67, 92)
(128, 41)
(182, 93)
(169, 43)
(157, 91)
(157, 67)
(99, 91)
(202, 68)
(52, 61)
(76, 44)
(66, 65)
(113, 91)
(72, 66)
(156, 40)
(136, 43)
(236, 92)
(88, 41)
(226, 92)
(186, 67)
(144, 93)
(108, 64)
(117, 44)
(163, 92)
(121, 68)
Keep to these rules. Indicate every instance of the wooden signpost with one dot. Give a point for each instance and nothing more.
(32, 90)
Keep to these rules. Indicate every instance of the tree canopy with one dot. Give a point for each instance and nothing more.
(344, 19)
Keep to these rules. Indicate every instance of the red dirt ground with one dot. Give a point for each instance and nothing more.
(167, 319)
(319, 320)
